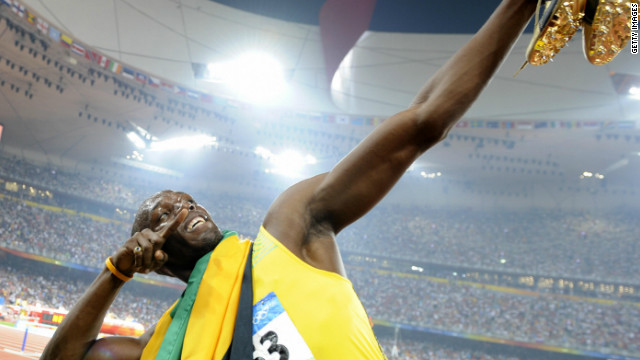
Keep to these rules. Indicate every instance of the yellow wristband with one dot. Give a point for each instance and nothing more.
(115, 271)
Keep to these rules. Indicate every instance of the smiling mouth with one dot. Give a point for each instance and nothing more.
(193, 224)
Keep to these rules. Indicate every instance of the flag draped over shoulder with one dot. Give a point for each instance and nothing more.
(201, 324)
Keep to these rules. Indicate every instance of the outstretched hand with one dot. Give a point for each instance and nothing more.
(143, 253)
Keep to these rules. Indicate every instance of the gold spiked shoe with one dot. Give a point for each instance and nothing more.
(607, 29)
(559, 22)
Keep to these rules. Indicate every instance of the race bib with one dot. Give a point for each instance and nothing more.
(275, 337)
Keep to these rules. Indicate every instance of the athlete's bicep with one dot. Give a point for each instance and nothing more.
(363, 177)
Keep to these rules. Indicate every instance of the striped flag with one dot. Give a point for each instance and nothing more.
(101, 60)
(66, 41)
(78, 49)
(115, 67)
(128, 73)
(6, 2)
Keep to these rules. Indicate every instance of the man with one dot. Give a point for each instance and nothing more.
(172, 234)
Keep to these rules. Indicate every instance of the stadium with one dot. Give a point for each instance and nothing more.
(515, 237)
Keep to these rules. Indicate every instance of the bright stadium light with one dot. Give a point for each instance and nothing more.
(184, 142)
(136, 140)
(289, 163)
(256, 77)
(634, 92)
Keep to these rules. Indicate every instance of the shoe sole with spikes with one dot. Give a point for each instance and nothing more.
(560, 21)
(607, 29)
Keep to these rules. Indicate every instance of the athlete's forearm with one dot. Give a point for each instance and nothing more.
(452, 90)
(80, 327)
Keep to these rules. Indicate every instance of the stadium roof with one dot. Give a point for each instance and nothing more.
(64, 103)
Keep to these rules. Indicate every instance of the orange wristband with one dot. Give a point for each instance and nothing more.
(115, 271)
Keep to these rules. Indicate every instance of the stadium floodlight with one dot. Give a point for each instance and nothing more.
(289, 163)
(184, 143)
(136, 140)
(255, 77)
(634, 92)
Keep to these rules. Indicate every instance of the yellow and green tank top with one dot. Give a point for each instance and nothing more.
(322, 305)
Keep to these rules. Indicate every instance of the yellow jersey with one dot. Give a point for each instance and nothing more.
(319, 315)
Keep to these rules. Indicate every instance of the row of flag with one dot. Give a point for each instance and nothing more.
(126, 72)
(99, 59)
(532, 125)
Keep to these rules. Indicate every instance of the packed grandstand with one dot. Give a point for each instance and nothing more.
(536, 278)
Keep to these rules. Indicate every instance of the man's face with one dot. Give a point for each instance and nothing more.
(193, 238)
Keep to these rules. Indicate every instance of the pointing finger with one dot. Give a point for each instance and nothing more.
(173, 225)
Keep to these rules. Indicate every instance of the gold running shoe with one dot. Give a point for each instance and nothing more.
(559, 22)
(607, 29)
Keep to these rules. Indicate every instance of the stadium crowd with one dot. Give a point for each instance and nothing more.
(578, 244)
(553, 320)
(544, 242)
(421, 350)
(30, 288)
(606, 326)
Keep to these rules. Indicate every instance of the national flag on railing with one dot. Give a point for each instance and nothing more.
(178, 90)
(541, 125)
(626, 124)
(128, 73)
(78, 49)
(477, 123)
(591, 125)
(43, 26)
(193, 95)
(524, 125)
(462, 124)
(6, 2)
(18, 9)
(167, 87)
(141, 78)
(153, 82)
(54, 33)
(31, 18)
(115, 67)
(507, 124)
(342, 119)
(66, 41)
(101, 60)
